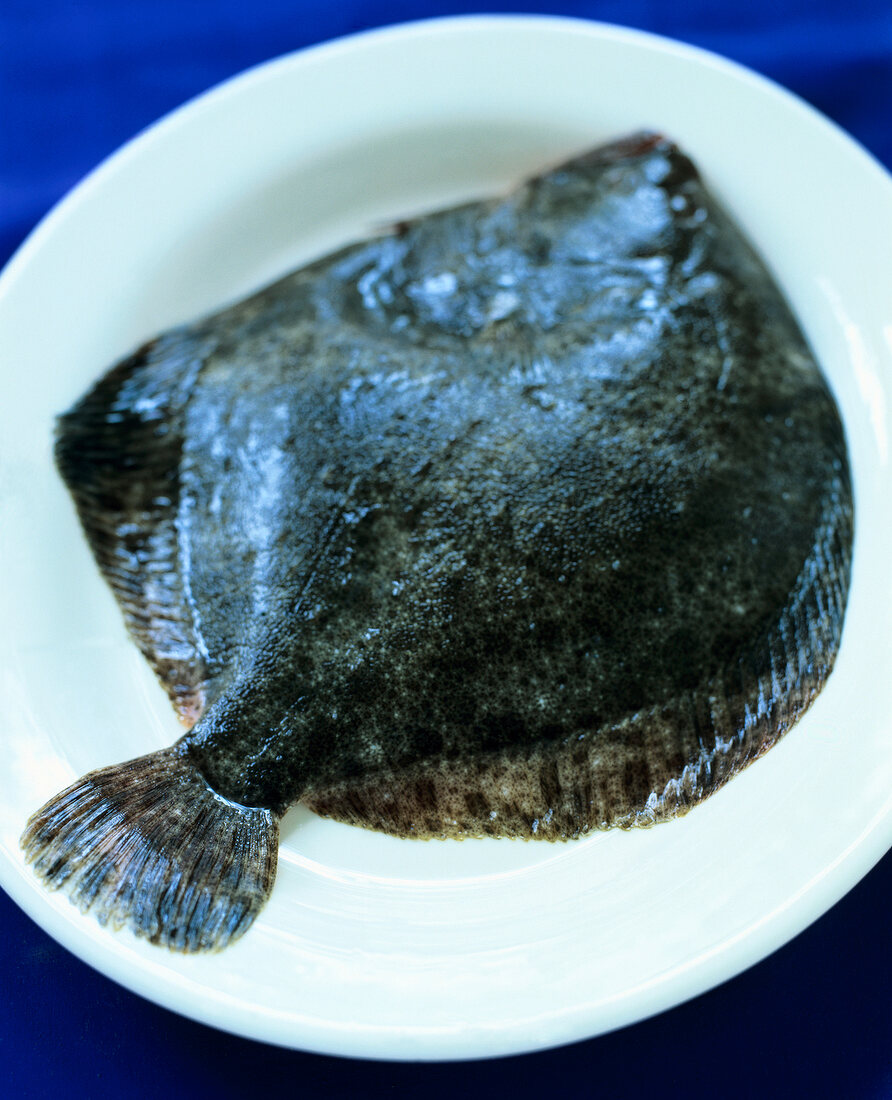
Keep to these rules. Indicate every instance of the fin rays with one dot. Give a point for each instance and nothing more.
(149, 845)
(118, 451)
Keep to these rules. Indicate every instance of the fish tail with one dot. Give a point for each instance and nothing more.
(148, 844)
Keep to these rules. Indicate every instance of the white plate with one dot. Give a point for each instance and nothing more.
(370, 945)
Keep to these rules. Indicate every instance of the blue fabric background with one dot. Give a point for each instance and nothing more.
(79, 78)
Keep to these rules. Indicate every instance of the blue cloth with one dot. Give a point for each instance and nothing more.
(77, 79)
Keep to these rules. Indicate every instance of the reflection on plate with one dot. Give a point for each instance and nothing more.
(372, 945)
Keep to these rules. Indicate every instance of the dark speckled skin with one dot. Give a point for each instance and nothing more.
(531, 517)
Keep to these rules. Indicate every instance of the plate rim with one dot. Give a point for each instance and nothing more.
(776, 929)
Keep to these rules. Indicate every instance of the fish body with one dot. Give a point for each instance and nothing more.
(530, 517)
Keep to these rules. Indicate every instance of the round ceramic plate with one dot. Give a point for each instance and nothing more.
(402, 949)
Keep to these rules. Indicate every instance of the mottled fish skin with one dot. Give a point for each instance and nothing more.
(497, 484)
(530, 517)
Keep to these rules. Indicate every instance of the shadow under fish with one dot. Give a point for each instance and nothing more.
(530, 518)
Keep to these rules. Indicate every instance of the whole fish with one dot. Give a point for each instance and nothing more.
(531, 517)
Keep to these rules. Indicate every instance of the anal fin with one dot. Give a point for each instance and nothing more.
(118, 451)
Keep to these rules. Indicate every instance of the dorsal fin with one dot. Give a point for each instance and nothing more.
(651, 766)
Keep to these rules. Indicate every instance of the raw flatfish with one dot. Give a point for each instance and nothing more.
(530, 517)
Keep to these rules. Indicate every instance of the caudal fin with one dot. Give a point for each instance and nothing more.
(150, 845)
